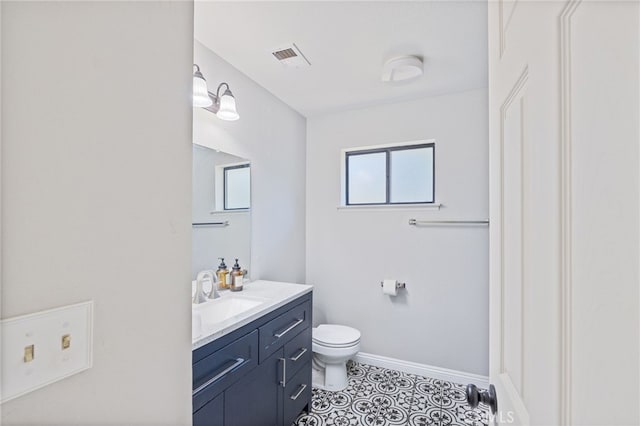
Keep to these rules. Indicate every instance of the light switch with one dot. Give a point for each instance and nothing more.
(49, 333)
(66, 341)
(28, 353)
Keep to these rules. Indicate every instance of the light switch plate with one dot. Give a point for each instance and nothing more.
(45, 330)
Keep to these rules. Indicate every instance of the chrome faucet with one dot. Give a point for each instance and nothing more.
(213, 294)
(200, 296)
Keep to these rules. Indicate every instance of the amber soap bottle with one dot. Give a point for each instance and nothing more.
(222, 273)
(236, 277)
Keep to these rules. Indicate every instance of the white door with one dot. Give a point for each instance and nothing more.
(563, 102)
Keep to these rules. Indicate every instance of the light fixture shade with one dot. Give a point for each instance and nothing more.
(200, 93)
(403, 68)
(227, 109)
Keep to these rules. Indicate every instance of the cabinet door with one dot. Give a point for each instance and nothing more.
(211, 414)
(256, 399)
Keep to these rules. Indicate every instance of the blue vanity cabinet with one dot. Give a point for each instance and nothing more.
(258, 375)
(297, 395)
(218, 370)
(211, 414)
(257, 398)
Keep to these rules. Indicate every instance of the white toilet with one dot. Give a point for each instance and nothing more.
(333, 345)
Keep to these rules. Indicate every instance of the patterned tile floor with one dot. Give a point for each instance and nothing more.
(380, 397)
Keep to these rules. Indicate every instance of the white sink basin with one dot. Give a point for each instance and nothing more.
(227, 307)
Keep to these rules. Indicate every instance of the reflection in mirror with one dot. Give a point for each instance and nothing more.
(237, 195)
(221, 206)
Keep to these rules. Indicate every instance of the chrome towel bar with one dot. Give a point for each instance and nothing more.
(225, 223)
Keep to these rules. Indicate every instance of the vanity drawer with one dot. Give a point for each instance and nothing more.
(282, 329)
(297, 394)
(298, 352)
(216, 372)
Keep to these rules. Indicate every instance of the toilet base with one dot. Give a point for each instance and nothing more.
(333, 377)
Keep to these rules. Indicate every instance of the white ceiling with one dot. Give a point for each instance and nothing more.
(347, 43)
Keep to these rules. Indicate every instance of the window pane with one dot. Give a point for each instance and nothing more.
(367, 178)
(236, 191)
(412, 176)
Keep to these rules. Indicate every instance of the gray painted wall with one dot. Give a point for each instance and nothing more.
(442, 319)
(96, 161)
(272, 136)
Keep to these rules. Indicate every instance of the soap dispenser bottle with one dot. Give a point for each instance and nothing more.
(222, 273)
(236, 277)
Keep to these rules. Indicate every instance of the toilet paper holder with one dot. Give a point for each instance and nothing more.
(398, 285)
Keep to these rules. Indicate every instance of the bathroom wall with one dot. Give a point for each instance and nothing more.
(96, 160)
(272, 136)
(442, 318)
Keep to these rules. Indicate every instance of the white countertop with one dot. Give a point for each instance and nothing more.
(272, 294)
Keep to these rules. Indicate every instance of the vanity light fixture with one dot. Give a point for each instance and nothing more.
(200, 93)
(222, 105)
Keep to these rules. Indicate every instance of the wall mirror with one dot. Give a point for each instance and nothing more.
(221, 209)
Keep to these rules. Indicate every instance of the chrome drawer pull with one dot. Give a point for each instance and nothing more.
(291, 327)
(302, 388)
(219, 375)
(283, 382)
(297, 357)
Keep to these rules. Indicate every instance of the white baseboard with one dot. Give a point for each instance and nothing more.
(423, 370)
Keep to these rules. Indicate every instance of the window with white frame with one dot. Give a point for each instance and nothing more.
(237, 193)
(402, 174)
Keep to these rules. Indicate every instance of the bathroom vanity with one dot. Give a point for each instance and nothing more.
(252, 357)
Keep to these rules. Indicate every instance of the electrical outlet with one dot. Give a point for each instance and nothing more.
(37, 349)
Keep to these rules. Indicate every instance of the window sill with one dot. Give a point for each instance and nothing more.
(230, 211)
(433, 206)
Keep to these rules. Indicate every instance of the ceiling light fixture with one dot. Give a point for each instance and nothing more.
(223, 106)
(403, 68)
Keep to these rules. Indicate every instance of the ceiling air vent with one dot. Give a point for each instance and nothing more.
(290, 56)
(285, 54)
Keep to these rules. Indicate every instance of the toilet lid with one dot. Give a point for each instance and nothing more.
(335, 335)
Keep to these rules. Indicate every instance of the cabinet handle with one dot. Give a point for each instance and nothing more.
(302, 388)
(297, 357)
(283, 382)
(219, 375)
(291, 327)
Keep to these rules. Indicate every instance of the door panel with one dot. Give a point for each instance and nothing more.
(602, 107)
(513, 252)
(525, 203)
(564, 160)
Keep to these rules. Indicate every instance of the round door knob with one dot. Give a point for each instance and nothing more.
(475, 397)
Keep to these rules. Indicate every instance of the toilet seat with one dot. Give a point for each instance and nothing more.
(335, 336)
